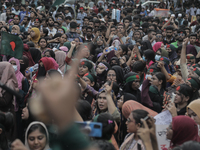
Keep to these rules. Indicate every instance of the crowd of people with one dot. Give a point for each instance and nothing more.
(80, 64)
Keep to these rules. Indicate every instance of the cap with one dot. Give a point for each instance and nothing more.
(179, 15)
(148, 10)
(81, 8)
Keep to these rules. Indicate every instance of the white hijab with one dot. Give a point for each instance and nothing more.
(47, 138)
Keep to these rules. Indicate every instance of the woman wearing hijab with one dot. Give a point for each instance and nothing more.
(172, 52)
(60, 59)
(116, 74)
(190, 49)
(101, 70)
(35, 35)
(27, 53)
(157, 45)
(194, 82)
(132, 83)
(35, 53)
(7, 77)
(114, 61)
(37, 136)
(85, 67)
(146, 45)
(193, 112)
(15, 30)
(16, 65)
(181, 130)
(45, 64)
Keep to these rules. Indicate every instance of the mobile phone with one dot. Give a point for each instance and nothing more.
(92, 129)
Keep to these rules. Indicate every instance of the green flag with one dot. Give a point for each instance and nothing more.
(11, 45)
(58, 2)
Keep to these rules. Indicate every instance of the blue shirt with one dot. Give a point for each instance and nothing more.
(22, 14)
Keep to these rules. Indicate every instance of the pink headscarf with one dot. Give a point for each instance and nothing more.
(18, 74)
(56, 66)
(156, 46)
(64, 48)
(8, 76)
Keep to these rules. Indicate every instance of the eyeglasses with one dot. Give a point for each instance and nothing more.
(109, 75)
(158, 36)
(129, 120)
(181, 34)
(59, 19)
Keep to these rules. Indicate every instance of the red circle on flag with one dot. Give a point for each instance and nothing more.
(188, 57)
(189, 78)
(151, 70)
(168, 46)
(161, 59)
(194, 69)
(177, 66)
(137, 76)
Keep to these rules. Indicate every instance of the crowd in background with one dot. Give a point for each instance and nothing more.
(81, 63)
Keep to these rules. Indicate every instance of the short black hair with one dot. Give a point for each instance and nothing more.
(38, 19)
(170, 27)
(89, 28)
(85, 18)
(150, 30)
(68, 18)
(155, 27)
(193, 34)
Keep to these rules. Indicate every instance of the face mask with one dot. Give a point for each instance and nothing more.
(15, 67)
(139, 47)
(148, 76)
(144, 58)
(157, 57)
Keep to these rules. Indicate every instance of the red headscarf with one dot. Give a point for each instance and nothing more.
(48, 63)
(184, 129)
(27, 53)
(156, 46)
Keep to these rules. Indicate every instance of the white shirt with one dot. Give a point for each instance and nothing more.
(3, 17)
(53, 31)
(192, 10)
(198, 11)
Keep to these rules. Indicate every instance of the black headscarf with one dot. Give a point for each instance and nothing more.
(129, 96)
(117, 61)
(36, 54)
(128, 87)
(101, 78)
(146, 45)
(119, 74)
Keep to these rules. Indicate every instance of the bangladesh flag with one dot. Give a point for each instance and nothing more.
(11, 45)
(58, 2)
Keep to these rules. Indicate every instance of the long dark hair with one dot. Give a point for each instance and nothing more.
(162, 77)
(150, 55)
(139, 114)
(6, 124)
(108, 125)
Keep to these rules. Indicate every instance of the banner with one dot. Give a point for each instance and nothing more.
(161, 12)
